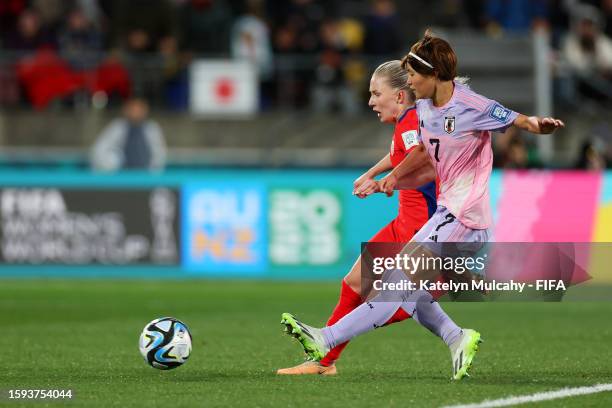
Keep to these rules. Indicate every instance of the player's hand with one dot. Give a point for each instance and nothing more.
(387, 184)
(360, 180)
(365, 188)
(549, 125)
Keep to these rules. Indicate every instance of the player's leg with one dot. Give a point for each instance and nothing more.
(364, 318)
(420, 304)
(397, 231)
(404, 230)
(351, 286)
(376, 312)
(316, 343)
(463, 343)
(350, 298)
(372, 314)
(428, 312)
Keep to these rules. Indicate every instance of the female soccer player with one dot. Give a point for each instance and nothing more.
(393, 101)
(455, 125)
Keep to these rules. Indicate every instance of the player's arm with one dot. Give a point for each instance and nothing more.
(416, 179)
(408, 168)
(536, 124)
(365, 184)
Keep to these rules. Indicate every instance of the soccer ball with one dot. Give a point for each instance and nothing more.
(165, 343)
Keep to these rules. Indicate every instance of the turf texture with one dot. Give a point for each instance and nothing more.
(83, 335)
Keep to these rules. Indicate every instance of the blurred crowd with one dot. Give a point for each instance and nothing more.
(314, 53)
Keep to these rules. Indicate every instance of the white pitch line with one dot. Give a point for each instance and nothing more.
(540, 396)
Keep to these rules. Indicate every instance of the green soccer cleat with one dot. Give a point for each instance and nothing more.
(309, 337)
(463, 351)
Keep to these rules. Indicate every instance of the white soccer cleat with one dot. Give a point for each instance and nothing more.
(463, 351)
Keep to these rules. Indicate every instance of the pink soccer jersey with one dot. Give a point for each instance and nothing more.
(458, 139)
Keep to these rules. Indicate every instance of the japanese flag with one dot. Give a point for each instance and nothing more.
(223, 87)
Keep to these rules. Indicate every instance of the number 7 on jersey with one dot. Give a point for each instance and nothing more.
(436, 142)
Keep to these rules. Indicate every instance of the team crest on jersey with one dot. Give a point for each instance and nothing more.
(410, 138)
(449, 124)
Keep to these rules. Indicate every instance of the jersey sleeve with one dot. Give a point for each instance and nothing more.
(409, 131)
(494, 117)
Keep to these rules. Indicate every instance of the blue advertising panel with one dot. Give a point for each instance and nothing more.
(224, 228)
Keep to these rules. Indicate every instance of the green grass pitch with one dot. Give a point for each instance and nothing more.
(83, 335)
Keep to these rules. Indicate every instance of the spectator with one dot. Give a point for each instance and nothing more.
(131, 142)
(298, 21)
(588, 52)
(251, 42)
(516, 16)
(559, 19)
(454, 14)
(92, 11)
(142, 25)
(517, 156)
(9, 13)
(512, 151)
(354, 65)
(175, 75)
(79, 40)
(51, 12)
(251, 39)
(285, 39)
(144, 29)
(475, 13)
(46, 78)
(382, 29)
(330, 91)
(29, 35)
(297, 25)
(109, 82)
(206, 26)
(590, 157)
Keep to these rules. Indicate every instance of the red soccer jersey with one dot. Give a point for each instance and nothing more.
(405, 137)
(413, 204)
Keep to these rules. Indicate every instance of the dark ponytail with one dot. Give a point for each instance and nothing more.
(432, 56)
